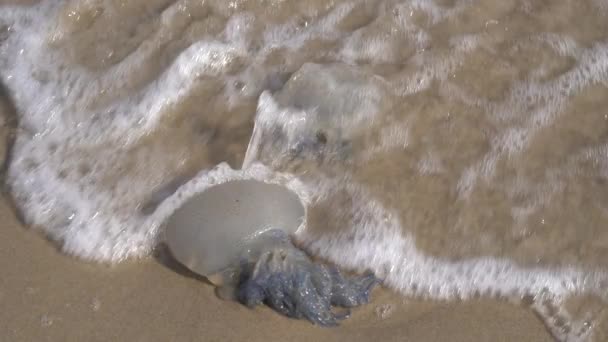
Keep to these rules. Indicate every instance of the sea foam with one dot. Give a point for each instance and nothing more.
(453, 148)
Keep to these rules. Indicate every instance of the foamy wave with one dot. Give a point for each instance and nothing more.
(454, 148)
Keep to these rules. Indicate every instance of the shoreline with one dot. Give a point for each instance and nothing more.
(49, 296)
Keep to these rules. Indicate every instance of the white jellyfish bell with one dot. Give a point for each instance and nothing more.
(216, 227)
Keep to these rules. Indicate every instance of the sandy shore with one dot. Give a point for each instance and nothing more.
(47, 296)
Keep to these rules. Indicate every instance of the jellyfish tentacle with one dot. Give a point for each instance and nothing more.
(288, 281)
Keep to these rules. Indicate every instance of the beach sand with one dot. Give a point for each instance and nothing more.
(47, 296)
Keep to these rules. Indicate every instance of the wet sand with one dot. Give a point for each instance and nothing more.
(47, 296)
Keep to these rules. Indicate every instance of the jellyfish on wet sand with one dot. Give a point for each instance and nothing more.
(238, 234)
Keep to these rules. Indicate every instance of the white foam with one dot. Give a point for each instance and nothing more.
(376, 240)
(394, 256)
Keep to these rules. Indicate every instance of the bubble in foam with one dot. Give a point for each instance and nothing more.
(46, 321)
(384, 311)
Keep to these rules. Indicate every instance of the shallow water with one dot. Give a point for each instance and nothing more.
(456, 148)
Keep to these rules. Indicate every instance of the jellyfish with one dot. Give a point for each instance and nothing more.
(239, 235)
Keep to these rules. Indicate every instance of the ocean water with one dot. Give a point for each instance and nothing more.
(456, 148)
